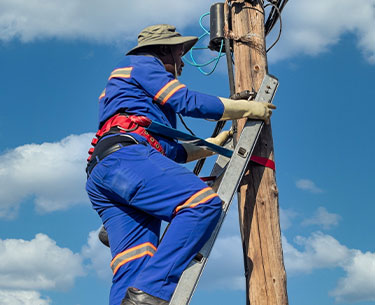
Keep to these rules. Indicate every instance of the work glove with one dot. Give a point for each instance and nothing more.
(195, 152)
(237, 109)
(220, 138)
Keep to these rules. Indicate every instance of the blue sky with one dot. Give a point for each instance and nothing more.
(55, 58)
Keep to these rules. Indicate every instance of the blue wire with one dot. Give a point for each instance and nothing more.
(217, 58)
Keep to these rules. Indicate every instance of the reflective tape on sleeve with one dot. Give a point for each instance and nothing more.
(132, 254)
(167, 91)
(121, 73)
(102, 94)
(198, 198)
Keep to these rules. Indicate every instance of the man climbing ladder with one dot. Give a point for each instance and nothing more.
(134, 181)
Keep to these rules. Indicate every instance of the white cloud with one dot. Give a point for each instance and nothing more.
(320, 251)
(22, 297)
(308, 185)
(309, 27)
(37, 264)
(312, 27)
(99, 255)
(54, 173)
(323, 251)
(103, 21)
(323, 218)
(359, 283)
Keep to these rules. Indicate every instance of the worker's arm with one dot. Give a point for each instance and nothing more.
(174, 96)
(194, 152)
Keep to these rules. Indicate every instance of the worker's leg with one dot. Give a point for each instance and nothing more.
(170, 192)
(133, 235)
(158, 186)
(188, 231)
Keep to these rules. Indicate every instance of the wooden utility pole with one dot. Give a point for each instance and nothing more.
(258, 194)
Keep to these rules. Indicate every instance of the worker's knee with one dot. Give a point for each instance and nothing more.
(214, 207)
(202, 204)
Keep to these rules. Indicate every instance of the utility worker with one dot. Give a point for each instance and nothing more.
(134, 179)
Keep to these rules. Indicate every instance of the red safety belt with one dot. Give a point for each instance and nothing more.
(125, 123)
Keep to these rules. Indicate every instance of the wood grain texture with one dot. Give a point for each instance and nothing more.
(258, 193)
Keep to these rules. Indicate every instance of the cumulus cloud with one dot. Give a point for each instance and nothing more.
(308, 185)
(323, 251)
(94, 20)
(320, 251)
(323, 218)
(98, 255)
(359, 282)
(37, 264)
(309, 27)
(53, 173)
(312, 27)
(22, 297)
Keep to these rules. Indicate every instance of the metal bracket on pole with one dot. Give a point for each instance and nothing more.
(234, 170)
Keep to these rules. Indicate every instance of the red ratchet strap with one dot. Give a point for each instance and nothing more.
(263, 161)
(259, 160)
(124, 123)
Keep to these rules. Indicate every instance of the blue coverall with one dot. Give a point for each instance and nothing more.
(136, 187)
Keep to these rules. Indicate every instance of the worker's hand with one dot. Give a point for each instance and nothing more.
(195, 152)
(220, 138)
(237, 109)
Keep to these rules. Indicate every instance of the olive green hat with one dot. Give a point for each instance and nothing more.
(163, 34)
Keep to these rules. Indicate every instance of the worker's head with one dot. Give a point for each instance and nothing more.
(163, 41)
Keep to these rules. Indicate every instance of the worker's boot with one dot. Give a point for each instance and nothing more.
(135, 296)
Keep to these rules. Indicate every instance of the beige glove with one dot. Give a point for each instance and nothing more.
(237, 109)
(196, 153)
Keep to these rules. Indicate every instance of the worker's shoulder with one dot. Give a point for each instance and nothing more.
(144, 62)
(139, 68)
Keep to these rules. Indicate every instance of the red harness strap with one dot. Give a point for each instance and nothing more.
(124, 123)
(263, 161)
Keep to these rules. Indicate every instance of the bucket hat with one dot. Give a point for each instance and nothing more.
(163, 34)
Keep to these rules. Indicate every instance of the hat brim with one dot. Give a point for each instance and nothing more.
(187, 41)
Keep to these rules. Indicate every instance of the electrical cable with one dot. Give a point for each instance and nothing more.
(275, 13)
(214, 60)
(281, 24)
(185, 125)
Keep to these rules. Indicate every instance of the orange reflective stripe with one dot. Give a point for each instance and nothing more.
(171, 93)
(164, 88)
(121, 73)
(102, 94)
(132, 249)
(131, 254)
(131, 259)
(204, 200)
(167, 91)
(198, 198)
(196, 195)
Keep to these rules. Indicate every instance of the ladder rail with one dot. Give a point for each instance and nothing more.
(235, 169)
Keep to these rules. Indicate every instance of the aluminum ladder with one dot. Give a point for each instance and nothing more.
(229, 172)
